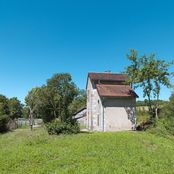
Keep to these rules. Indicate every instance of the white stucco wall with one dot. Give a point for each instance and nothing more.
(118, 114)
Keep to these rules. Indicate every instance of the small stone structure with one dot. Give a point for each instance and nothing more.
(80, 116)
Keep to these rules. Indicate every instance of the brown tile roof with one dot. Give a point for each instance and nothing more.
(115, 91)
(107, 76)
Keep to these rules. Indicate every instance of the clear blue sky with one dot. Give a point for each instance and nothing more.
(41, 37)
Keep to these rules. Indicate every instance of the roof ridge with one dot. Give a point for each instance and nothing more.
(115, 73)
(112, 84)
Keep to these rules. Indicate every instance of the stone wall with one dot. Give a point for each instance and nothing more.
(94, 106)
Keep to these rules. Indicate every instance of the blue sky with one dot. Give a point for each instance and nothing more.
(41, 37)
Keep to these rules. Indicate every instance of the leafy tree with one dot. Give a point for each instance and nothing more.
(9, 109)
(33, 101)
(4, 113)
(150, 74)
(78, 102)
(47, 104)
(64, 91)
(168, 110)
(52, 100)
(167, 117)
(15, 108)
(4, 109)
(25, 112)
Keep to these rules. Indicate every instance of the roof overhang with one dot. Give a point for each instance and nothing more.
(115, 91)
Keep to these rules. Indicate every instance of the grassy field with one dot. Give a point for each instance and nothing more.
(26, 152)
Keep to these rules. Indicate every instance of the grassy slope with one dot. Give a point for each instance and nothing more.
(26, 152)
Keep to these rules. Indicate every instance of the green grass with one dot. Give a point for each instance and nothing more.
(26, 152)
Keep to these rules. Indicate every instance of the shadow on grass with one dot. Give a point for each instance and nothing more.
(85, 132)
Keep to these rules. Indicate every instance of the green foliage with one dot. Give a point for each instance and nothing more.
(64, 92)
(168, 109)
(144, 103)
(57, 127)
(164, 126)
(32, 99)
(15, 108)
(23, 151)
(4, 113)
(166, 119)
(3, 123)
(142, 116)
(25, 112)
(9, 109)
(159, 128)
(150, 74)
(4, 109)
(53, 100)
(78, 102)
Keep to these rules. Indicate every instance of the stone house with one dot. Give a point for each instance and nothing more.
(110, 102)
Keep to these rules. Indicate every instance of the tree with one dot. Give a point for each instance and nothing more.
(150, 74)
(168, 110)
(64, 91)
(4, 113)
(52, 100)
(167, 116)
(4, 109)
(25, 112)
(78, 102)
(48, 106)
(33, 101)
(15, 108)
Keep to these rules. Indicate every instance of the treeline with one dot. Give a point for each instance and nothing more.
(145, 102)
(56, 101)
(9, 110)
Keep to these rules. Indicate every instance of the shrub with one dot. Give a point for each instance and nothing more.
(164, 126)
(3, 123)
(57, 127)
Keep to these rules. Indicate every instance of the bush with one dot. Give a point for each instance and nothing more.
(164, 126)
(57, 127)
(3, 123)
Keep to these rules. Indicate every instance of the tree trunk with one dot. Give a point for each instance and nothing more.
(156, 113)
(31, 119)
(157, 106)
(54, 112)
(149, 104)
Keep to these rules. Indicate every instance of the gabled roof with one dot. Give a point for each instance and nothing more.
(107, 76)
(115, 91)
(80, 110)
(80, 113)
